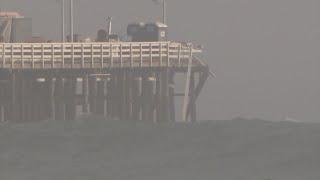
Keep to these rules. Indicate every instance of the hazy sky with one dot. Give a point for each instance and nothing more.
(266, 53)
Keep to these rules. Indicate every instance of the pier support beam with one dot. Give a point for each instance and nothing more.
(70, 90)
(172, 108)
(85, 94)
(136, 97)
(100, 98)
(59, 94)
(93, 94)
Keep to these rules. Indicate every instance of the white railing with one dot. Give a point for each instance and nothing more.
(94, 55)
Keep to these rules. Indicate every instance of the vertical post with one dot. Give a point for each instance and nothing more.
(111, 56)
(72, 56)
(42, 56)
(164, 95)
(59, 93)
(141, 58)
(120, 94)
(2, 119)
(168, 54)
(92, 58)
(102, 56)
(27, 98)
(110, 98)
(32, 56)
(100, 99)
(62, 21)
(164, 13)
(70, 98)
(82, 56)
(160, 53)
(62, 55)
(187, 88)
(193, 113)
(85, 94)
(92, 93)
(179, 54)
(22, 54)
(51, 98)
(157, 102)
(128, 95)
(71, 21)
(3, 55)
(52, 56)
(11, 57)
(131, 56)
(151, 60)
(150, 83)
(172, 114)
(121, 59)
(144, 96)
(136, 104)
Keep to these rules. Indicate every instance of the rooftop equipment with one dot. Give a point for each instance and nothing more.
(150, 32)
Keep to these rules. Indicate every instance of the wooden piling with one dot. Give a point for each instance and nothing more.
(85, 94)
(70, 89)
(59, 95)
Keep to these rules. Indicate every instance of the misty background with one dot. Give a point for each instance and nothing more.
(265, 53)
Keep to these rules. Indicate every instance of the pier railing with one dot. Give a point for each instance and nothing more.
(95, 55)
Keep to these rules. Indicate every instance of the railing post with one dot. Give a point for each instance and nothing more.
(102, 55)
(32, 56)
(42, 56)
(131, 55)
(82, 56)
(3, 56)
(92, 58)
(168, 54)
(141, 59)
(52, 56)
(11, 57)
(62, 55)
(21, 56)
(121, 60)
(111, 56)
(160, 53)
(179, 54)
(151, 60)
(72, 55)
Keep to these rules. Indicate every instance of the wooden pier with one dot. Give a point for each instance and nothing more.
(118, 80)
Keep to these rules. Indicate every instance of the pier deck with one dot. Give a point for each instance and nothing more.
(124, 80)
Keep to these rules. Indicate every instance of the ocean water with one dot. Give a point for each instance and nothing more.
(122, 150)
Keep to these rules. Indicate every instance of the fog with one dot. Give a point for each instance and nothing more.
(265, 53)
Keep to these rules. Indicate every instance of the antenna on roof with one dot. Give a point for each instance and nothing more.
(109, 20)
(71, 21)
(63, 21)
(164, 9)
